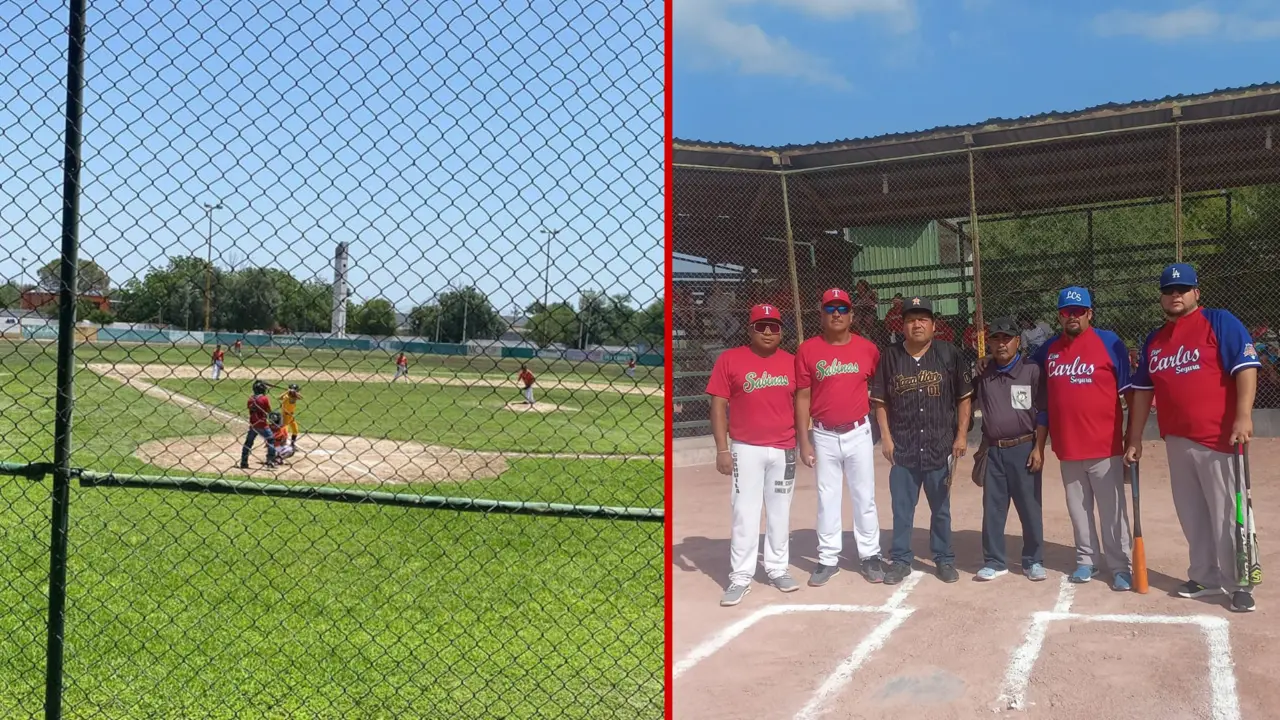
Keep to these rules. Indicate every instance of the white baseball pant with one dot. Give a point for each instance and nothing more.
(217, 370)
(528, 395)
(848, 457)
(761, 475)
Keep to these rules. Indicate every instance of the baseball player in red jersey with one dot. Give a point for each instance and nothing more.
(1086, 371)
(1203, 369)
(752, 418)
(259, 409)
(236, 348)
(402, 367)
(217, 362)
(832, 375)
(526, 378)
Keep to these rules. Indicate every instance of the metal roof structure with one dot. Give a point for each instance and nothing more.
(1108, 153)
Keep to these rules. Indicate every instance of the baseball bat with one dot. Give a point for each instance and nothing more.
(1242, 533)
(1255, 560)
(1139, 545)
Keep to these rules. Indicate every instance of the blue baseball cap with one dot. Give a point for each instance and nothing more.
(1179, 274)
(1074, 296)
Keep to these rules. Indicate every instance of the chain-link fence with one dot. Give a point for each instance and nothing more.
(332, 360)
(987, 221)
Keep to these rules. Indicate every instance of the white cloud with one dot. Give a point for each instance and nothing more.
(1199, 21)
(713, 37)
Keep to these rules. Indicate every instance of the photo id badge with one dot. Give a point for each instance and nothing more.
(1021, 395)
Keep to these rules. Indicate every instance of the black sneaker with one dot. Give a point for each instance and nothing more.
(824, 573)
(1242, 601)
(1193, 589)
(873, 569)
(896, 573)
(947, 573)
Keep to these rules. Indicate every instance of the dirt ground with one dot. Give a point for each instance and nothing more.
(326, 458)
(970, 649)
(297, 374)
(539, 407)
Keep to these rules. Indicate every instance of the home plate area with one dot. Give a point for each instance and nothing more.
(927, 649)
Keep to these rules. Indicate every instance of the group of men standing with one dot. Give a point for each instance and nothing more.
(769, 406)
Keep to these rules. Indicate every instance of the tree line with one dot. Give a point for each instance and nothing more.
(1232, 237)
(273, 300)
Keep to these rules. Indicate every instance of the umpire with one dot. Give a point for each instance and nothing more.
(922, 394)
(1010, 394)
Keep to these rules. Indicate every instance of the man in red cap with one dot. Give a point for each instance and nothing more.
(832, 375)
(756, 444)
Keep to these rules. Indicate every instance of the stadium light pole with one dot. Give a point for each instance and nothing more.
(546, 276)
(208, 268)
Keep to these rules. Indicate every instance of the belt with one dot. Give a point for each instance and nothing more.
(840, 429)
(1012, 442)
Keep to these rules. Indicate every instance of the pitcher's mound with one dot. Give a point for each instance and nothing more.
(326, 459)
(538, 407)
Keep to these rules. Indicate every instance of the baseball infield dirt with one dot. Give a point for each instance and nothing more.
(326, 459)
(539, 407)
(297, 374)
(969, 649)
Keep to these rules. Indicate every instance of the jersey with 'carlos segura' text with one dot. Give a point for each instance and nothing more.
(1191, 364)
(1084, 378)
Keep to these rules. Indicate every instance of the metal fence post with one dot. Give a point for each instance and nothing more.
(1177, 182)
(791, 260)
(66, 361)
(978, 325)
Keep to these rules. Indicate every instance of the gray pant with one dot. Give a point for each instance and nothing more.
(1100, 480)
(1202, 481)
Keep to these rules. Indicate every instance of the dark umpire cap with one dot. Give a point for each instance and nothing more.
(1004, 326)
(916, 303)
(1179, 274)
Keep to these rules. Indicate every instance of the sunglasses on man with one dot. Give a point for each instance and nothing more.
(834, 309)
(1176, 290)
(1073, 312)
(766, 328)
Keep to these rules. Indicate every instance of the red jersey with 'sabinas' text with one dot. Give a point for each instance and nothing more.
(259, 406)
(761, 394)
(838, 378)
(1191, 364)
(217, 356)
(526, 377)
(1084, 378)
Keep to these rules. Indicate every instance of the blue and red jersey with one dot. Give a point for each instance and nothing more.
(1191, 364)
(1084, 378)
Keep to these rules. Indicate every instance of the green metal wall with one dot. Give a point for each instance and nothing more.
(887, 248)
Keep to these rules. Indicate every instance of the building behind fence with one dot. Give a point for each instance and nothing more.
(989, 220)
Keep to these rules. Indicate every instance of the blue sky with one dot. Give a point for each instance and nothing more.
(775, 72)
(436, 138)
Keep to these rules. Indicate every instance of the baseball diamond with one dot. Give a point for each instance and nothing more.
(252, 577)
(973, 649)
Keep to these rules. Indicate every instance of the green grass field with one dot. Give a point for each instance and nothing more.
(461, 417)
(186, 605)
(367, 361)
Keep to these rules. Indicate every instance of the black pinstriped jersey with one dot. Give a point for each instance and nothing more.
(921, 397)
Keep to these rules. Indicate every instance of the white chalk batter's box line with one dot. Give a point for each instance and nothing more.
(892, 608)
(1224, 701)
